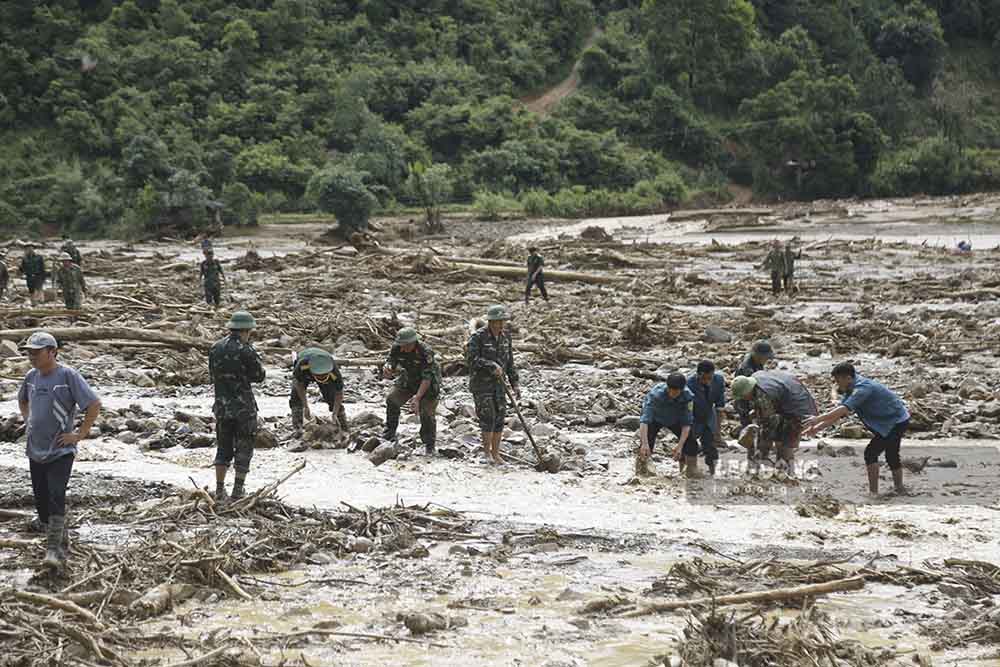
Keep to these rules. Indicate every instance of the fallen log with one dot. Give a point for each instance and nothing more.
(551, 276)
(56, 603)
(773, 595)
(111, 333)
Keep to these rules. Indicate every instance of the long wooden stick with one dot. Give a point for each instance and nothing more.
(773, 595)
(517, 409)
(111, 333)
(56, 603)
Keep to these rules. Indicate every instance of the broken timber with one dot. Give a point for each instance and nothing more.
(111, 333)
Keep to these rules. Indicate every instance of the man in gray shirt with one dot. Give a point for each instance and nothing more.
(49, 398)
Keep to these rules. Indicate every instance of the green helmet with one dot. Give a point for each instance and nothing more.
(406, 336)
(241, 319)
(320, 362)
(743, 387)
(497, 312)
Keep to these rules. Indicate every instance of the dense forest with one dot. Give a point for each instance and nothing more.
(121, 116)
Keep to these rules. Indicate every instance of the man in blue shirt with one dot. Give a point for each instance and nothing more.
(709, 391)
(880, 410)
(49, 399)
(668, 405)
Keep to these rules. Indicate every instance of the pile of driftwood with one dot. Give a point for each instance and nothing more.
(187, 546)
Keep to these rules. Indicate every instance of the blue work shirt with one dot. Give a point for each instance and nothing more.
(878, 407)
(707, 400)
(53, 401)
(659, 408)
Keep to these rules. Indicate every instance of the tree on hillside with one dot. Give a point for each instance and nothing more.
(698, 40)
(431, 186)
(915, 40)
(342, 190)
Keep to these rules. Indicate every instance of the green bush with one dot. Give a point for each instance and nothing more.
(934, 166)
(492, 205)
(343, 191)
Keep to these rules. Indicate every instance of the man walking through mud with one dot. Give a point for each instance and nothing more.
(315, 365)
(536, 275)
(70, 280)
(780, 403)
(419, 385)
(48, 399)
(670, 406)
(212, 277)
(789, 278)
(775, 264)
(709, 391)
(490, 359)
(233, 364)
(34, 272)
(882, 412)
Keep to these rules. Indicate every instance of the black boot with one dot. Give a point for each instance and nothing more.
(297, 422)
(238, 490)
(54, 554)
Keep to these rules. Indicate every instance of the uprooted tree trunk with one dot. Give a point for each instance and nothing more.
(112, 333)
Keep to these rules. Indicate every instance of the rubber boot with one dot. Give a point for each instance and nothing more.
(238, 490)
(54, 555)
(691, 469)
(711, 468)
(220, 495)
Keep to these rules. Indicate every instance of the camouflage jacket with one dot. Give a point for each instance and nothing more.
(233, 366)
(211, 272)
(70, 279)
(304, 377)
(485, 354)
(33, 266)
(535, 262)
(417, 366)
(71, 248)
(775, 261)
(790, 257)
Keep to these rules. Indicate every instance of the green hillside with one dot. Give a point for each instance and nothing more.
(122, 117)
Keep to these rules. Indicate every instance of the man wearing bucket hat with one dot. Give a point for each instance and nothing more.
(315, 365)
(668, 405)
(780, 403)
(212, 277)
(233, 364)
(33, 269)
(70, 280)
(419, 384)
(536, 275)
(49, 399)
(490, 357)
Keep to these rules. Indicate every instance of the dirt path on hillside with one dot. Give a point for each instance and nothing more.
(548, 100)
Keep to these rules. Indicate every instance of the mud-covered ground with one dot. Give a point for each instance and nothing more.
(873, 288)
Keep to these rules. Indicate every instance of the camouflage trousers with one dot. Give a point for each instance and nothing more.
(428, 414)
(491, 409)
(234, 443)
(73, 299)
(213, 294)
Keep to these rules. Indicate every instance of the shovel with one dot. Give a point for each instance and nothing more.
(549, 462)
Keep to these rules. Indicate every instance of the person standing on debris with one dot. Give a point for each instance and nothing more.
(419, 385)
(490, 359)
(48, 399)
(233, 364)
(4, 276)
(754, 360)
(34, 272)
(314, 364)
(789, 277)
(709, 391)
(780, 403)
(775, 263)
(882, 412)
(212, 277)
(536, 275)
(70, 280)
(70, 248)
(668, 405)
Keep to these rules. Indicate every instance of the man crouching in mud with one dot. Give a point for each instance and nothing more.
(668, 406)
(882, 412)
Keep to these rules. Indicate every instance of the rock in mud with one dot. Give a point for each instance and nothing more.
(551, 463)
(265, 438)
(425, 622)
(325, 435)
(199, 440)
(360, 545)
(628, 422)
(367, 419)
(384, 452)
(717, 335)
(160, 599)
(990, 410)
(970, 389)
(8, 350)
(595, 233)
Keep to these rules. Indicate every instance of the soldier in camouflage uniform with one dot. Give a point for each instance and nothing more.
(314, 364)
(70, 248)
(70, 280)
(34, 272)
(212, 278)
(754, 360)
(536, 275)
(233, 364)
(490, 357)
(775, 263)
(780, 403)
(4, 276)
(420, 384)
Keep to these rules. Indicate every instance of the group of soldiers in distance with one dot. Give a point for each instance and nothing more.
(68, 276)
(775, 408)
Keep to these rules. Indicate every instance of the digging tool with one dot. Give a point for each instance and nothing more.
(548, 462)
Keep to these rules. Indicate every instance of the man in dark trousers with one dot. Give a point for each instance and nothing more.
(780, 405)
(212, 277)
(34, 272)
(754, 360)
(233, 364)
(536, 275)
(48, 399)
(709, 391)
(882, 412)
(668, 405)
(419, 384)
(315, 365)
